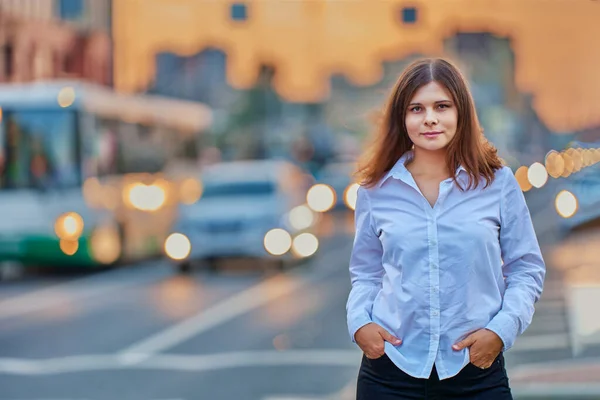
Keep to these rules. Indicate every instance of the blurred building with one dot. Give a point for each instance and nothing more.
(282, 73)
(308, 41)
(54, 39)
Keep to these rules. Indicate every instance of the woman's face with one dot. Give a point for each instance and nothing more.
(431, 117)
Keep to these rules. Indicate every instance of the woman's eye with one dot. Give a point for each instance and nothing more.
(415, 109)
(444, 106)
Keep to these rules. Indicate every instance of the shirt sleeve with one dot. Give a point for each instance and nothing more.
(366, 269)
(524, 269)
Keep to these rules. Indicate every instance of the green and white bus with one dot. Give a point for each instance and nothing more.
(91, 177)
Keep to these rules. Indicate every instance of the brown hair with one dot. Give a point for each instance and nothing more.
(468, 147)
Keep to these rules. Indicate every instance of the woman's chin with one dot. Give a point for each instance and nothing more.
(432, 145)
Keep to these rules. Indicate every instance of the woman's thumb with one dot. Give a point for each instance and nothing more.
(388, 337)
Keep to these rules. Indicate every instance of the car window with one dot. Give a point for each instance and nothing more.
(233, 189)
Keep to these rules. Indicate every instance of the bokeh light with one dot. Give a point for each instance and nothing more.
(105, 244)
(577, 158)
(522, 179)
(568, 161)
(566, 204)
(69, 247)
(305, 245)
(66, 97)
(178, 246)
(69, 226)
(555, 164)
(321, 197)
(350, 195)
(277, 241)
(537, 175)
(301, 217)
(145, 197)
(190, 191)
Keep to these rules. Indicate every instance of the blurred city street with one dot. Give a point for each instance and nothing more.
(177, 192)
(146, 332)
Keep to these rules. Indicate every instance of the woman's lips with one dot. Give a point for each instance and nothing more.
(431, 134)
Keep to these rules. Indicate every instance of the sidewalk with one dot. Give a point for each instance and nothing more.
(572, 379)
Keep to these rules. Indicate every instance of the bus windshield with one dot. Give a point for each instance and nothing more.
(39, 149)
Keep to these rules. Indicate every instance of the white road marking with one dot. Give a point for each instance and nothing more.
(231, 308)
(78, 289)
(175, 362)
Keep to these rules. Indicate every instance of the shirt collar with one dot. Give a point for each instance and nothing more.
(399, 170)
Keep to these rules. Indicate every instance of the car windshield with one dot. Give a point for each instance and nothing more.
(336, 171)
(233, 189)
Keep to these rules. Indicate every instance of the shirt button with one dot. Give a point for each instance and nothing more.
(435, 313)
(433, 243)
(435, 289)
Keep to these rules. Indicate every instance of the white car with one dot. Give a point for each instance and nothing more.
(247, 209)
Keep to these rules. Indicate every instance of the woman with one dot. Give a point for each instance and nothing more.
(446, 266)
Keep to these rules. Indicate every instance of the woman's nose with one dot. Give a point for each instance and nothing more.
(430, 119)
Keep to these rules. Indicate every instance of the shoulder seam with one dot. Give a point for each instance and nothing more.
(371, 225)
(502, 193)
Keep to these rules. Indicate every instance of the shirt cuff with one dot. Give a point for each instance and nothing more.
(355, 325)
(504, 326)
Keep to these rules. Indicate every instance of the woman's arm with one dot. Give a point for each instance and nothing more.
(524, 268)
(366, 270)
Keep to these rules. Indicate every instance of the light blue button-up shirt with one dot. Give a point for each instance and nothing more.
(432, 275)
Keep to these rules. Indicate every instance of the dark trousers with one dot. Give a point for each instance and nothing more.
(381, 379)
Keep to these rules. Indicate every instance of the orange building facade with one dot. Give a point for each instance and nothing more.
(554, 42)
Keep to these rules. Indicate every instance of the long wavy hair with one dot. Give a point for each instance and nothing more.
(468, 147)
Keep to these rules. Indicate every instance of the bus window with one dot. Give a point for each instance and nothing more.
(186, 148)
(107, 147)
(41, 149)
(124, 147)
(142, 148)
(2, 151)
(16, 175)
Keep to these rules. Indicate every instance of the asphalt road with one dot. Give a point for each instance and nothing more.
(145, 332)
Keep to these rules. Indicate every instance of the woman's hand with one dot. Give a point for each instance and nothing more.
(371, 337)
(484, 346)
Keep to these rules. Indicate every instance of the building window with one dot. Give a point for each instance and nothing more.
(409, 15)
(71, 9)
(239, 12)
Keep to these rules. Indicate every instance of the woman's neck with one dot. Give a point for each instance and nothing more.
(428, 163)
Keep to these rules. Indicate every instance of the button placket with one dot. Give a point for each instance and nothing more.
(434, 281)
